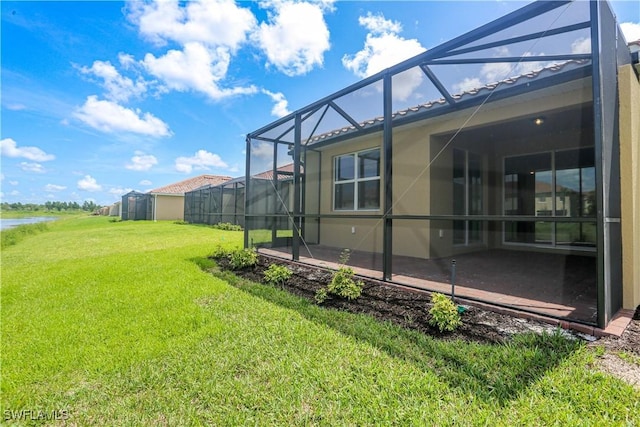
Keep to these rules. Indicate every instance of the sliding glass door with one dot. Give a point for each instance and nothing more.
(551, 185)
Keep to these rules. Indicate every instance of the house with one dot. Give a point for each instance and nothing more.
(136, 206)
(114, 209)
(168, 201)
(164, 203)
(225, 202)
(441, 163)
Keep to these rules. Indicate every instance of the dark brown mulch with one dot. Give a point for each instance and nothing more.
(403, 306)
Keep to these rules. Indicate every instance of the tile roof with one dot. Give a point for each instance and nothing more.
(284, 172)
(486, 89)
(181, 187)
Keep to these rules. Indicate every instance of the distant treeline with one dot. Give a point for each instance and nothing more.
(50, 206)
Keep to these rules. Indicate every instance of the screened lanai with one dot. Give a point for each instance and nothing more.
(213, 204)
(136, 206)
(496, 151)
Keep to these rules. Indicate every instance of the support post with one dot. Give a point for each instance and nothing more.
(387, 234)
(295, 244)
(247, 175)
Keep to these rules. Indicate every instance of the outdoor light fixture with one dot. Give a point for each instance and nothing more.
(538, 121)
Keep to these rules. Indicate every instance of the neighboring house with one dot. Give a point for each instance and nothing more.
(168, 202)
(445, 156)
(225, 202)
(164, 203)
(114, 209)
(136, 206)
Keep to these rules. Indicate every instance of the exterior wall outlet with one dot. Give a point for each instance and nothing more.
(353, 230)
(441, 233)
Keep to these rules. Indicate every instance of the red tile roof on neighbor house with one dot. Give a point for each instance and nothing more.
(181, 187)
(284, 172)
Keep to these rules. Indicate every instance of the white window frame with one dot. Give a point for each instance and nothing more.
(355, 181)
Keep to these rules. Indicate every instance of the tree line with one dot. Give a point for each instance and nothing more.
(88, 206)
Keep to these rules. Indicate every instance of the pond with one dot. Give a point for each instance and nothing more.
(14, 222)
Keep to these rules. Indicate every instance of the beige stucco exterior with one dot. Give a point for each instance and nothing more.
(629, 88)
(168, 207)
(422, 174)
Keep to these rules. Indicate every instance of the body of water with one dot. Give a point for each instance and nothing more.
(14, 222)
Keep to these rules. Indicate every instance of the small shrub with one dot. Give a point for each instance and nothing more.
(342, 283)
(115, 220)
(181, 222)
(227, 226)
(444, 313)
(321, 295)
(277, 275)
(243, 258)
(220, 252)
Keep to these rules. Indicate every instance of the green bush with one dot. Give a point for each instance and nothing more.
(277, 275)
(227, 226)
(321, 295)
(444, 313)
(243, 258)
(342, 283)
(220, 252)
(181, 222)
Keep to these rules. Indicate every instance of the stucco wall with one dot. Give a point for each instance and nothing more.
(169, 207)
(422, 175)
(629, 88)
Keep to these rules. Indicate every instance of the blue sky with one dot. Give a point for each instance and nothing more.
(99, 98)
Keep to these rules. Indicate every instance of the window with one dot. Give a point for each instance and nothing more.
(357, 181)
(551, 184)
(467, 196)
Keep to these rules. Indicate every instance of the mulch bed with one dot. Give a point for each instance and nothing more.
(406, 307)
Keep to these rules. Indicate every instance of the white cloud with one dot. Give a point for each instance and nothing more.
(119, 191)
(142, 162)
(581, 45)
(377, 24)
(145, 182)
(13, 182)
(32, 167)
(118, 87)
(16, 107)
(280, 107)
(631, 31)
(54, 187)
(9, 148)
(296, 38)
(467, 84)
(201, 160)
(88, 183)
(110, 117)
(212, 23)
(262, 150)
(195, 68)
(497, 71)
(384, 48)
(127, 61)
(14, 193)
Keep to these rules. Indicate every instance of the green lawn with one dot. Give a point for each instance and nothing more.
(116, 323)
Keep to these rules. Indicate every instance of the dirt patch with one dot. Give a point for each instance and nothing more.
(409, 308)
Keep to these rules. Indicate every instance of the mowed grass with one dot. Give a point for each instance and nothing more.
(118, 324)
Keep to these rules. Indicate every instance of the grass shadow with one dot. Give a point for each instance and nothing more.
(494, 373)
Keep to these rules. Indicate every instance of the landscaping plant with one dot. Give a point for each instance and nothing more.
(277, 275)
(342, 283)
(243, 258)
(444, 313)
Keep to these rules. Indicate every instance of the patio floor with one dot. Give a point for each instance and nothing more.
(546, 283)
